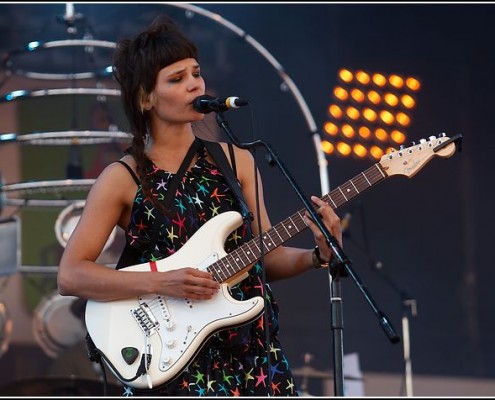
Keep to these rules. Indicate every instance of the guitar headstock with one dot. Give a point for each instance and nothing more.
(408, 161)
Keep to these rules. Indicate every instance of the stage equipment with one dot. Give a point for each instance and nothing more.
(309, 372)
(370, 113)
(55, 326)
(29, 94)
(56, 187)
(57, 320)
(9, 245)
(87, 45)
(63, 138)
(67, 220)
(409, 306)
(352, 375)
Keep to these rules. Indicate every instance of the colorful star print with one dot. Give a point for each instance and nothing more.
(234, 361)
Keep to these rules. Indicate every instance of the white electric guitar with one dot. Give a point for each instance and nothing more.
(149, 340)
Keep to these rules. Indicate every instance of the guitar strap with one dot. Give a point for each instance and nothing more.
(129, 255)
(230, 174)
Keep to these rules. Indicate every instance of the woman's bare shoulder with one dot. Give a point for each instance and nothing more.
(116, 168)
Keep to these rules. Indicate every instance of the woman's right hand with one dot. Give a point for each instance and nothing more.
(189, 283)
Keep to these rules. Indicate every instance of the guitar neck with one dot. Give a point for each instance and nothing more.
(251, 251)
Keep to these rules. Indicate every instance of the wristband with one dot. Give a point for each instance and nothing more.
(318, 263)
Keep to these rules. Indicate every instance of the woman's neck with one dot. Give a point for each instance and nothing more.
(168, 148)
(172, 137)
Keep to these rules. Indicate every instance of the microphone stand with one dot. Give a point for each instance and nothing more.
(74, 169)
(406, 301)
(341, 269)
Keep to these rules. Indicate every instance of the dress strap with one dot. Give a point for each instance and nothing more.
(131, 171)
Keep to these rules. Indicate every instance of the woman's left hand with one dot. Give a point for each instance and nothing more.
(331, 221)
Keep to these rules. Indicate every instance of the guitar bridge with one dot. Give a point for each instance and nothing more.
(145, 319)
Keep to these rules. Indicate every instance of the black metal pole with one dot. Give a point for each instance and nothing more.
(342, 268)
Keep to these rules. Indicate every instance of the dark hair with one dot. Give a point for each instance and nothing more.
(136, 64)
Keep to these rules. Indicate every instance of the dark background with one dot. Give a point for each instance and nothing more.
(432, 233)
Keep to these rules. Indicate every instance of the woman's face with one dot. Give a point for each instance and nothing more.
(176, 87)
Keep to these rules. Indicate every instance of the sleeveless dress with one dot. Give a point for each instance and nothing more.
(233, 362)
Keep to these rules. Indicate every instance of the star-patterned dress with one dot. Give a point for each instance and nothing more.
(233, 362)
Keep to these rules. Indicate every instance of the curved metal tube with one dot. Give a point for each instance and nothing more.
(55, 186)
(26, 94)
(322, 161)
(37, 46)
(65, 137)
(45, 186)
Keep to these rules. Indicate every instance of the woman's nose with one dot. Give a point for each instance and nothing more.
(194, 83)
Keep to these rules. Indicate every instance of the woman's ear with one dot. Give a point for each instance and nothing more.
(145, 100)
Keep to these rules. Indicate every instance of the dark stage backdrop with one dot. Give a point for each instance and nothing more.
(432, 233)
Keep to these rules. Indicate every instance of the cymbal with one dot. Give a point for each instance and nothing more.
(54, 386)
(310, 372)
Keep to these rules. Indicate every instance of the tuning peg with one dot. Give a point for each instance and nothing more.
(422, 141)
(432, 138)
(442, 135)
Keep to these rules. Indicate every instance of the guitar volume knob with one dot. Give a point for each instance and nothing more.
(166, 361)
(171, 344)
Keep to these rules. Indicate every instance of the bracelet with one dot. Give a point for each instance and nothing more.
(318, 263)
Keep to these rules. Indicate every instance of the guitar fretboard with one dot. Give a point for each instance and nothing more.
(251, 251)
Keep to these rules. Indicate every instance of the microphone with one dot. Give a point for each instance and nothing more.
(206, 103)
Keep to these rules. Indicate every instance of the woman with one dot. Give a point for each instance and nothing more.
(160, 77)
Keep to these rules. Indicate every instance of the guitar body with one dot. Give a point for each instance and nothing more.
(171, 330)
